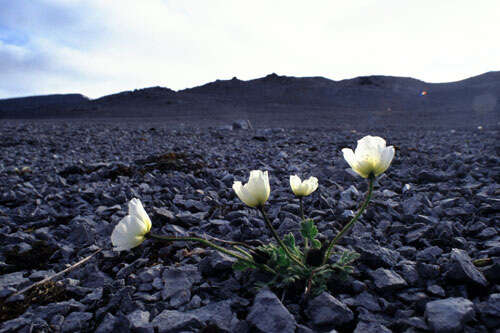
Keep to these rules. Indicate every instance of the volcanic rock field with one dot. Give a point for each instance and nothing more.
(429, 240)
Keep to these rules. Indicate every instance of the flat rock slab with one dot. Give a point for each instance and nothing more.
(269, 315)
(449, 315)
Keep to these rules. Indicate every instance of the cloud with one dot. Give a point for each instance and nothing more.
(99, 47)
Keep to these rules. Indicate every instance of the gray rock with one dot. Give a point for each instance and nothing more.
(12, 279)
(326, 310)
(169, 321)
(429, 254)
(242, 124)
(368, 301)
(487, 233)
(376, 256)
(408, 270)
(93, 297)
(216, 263)
(387, 280)
(61, 308)
(371, 327)
(178, 282)
(490, 311)
(449, 315)
(436, 290)
(428, 271)
(76, 322)
(15, 325)
(218, 314)
(463, 270)
(113, 324)
(138, 318)
(269, 315)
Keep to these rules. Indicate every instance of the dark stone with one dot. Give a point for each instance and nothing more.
(372, 327)
(428, 271)
(375, 256)
(430, 254)
(368, 301)
(408, 270)
(12, 279)
(215, 263)
(138, 319)
(269, 315)
(178, 282)
(76, 322)
(492, 272)
(449, 315)
(113, 324)
(175, 321)
(387, 280)
(490, 311)
(436, 290)
(326, 310)
(463, 270)
(218, 314)
(62, 308)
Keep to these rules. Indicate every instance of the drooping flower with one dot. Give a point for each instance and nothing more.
(303, 188)
(370, 157)
(130, 231)
(256, 191)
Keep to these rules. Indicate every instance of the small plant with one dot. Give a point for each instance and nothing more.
(306, 265)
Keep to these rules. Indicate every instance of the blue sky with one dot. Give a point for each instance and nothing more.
(98, 47)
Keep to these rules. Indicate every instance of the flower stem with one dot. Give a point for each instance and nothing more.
(306, 240)
(212, 245)
(278, 239)
(301, 208)
(349, 225)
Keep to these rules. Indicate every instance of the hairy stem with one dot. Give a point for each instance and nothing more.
(301, 208)
(349, 225)
(212, 245)
(278, 239)
(306, 240)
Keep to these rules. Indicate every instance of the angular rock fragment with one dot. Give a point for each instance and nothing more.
(269, 315)
(449, 315)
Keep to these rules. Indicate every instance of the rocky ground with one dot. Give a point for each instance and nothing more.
(65, 185)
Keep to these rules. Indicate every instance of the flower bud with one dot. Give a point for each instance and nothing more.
(256, 191)
(370, 157)
(130, 231)
(303, 188)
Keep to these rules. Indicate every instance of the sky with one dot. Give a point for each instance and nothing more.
(99, 47)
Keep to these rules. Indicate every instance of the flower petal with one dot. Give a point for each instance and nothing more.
(136, 209)
(243, 194)
(128, 233)
(295, 183)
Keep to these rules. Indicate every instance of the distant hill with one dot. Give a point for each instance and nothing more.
(283, 98)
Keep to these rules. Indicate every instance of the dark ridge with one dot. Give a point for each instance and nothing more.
(373, 98)
(138, 95)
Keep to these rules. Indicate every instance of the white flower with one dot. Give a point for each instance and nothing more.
(256, 191)
(370, 157)
(303, 188)
(130, 231)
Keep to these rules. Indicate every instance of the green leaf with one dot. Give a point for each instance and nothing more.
(348, 257)
(308, 229)
(316, 244)
(282, 258)
(241, 265)
(289, 241)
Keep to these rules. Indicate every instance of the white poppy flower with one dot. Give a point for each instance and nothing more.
(370, 157)
(256, 191)
(303, 188)
(130, 231)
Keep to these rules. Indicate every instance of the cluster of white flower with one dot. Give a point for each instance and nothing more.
(370, 159)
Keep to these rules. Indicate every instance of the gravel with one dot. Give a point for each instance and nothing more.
(65, 185)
